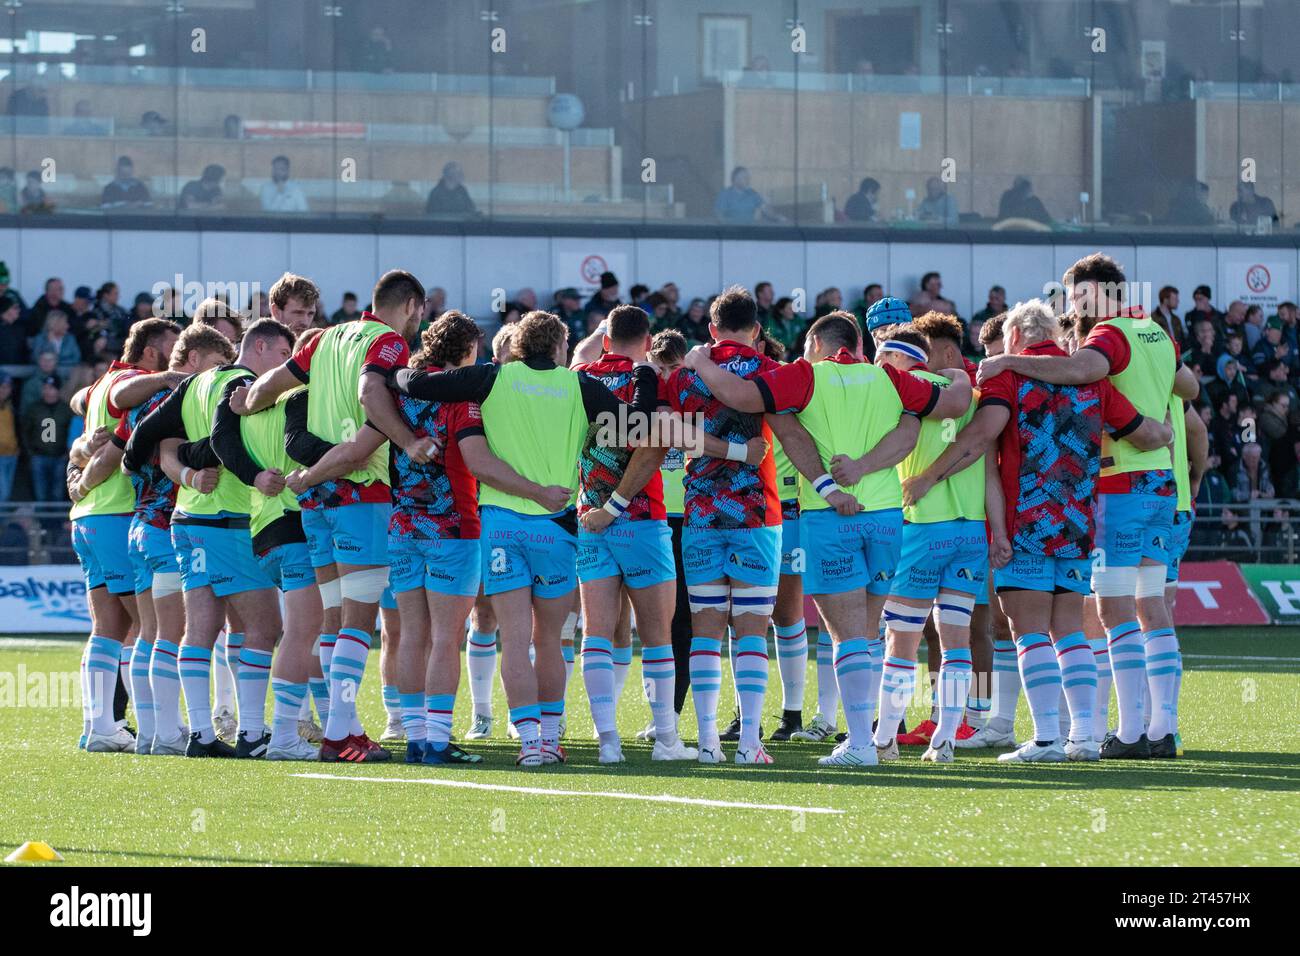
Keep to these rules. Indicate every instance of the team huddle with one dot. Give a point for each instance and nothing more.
(262, 495)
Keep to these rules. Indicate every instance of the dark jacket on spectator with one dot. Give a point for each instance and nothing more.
(34, 432)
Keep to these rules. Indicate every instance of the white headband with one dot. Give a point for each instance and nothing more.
(904, 348)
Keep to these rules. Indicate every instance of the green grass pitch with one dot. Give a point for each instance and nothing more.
(1231, 800)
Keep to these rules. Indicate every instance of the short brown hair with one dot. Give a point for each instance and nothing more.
(734, 310)
(910, 334)
(991, 330)
(447, 341)
(396, 287)
(668, 346)
(627, 323)
(290, 286)
(838, 328)
(144, 334)
(201, 338)
(940, 325)
(211, 310)
(267, 329)
(1097, 267)
(538, 335)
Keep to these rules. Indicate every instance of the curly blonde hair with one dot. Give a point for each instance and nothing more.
(538, 335)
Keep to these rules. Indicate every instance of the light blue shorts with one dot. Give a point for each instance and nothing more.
(1037, 572)
(1134, 526)
(640, 552)
(943, 555)
(1180, 536)
(348, 534)
(151, 553)
(100, 542)
(288, 566)
(848, 553)
(219, 558)
(537, 551)
(441, 565)
(749, 555)
(792, 553)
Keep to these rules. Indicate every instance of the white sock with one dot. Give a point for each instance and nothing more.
(706, 681)
(1079, 683)
(481, 661)
(828, 690)
(1128, 665)
(898, 684)
(750, 671)
(141, 694)
(102, 662)
(1101, 704)
(622, 667)
(286, 711)
(195, 666)
(954, 685)
(1164, 666)
(165, 685)
(598, 677)
(1041, 675)
(792, 662)
(1006, 686)
(853, 674)
(659, 678)
(254, 676)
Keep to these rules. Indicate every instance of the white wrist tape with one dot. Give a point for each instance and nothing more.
(616, 505)
(185, 475)
(824, 485)
(736, 451)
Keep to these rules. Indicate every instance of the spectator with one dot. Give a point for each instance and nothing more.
(871, 294)
(740, 203)
(657, 307)
(13, 336)
(695, 323)
(1190, 206)
(1019, 202)
(153, 124)
(6, 289)
(52, 298)
(55, 337)
(1270, 346)
(125, 191)
(930, 298)
(1234, 345)
(672, 295)
(44, 429)
(1281, 540)
(85, 323)
(635, 295)
(828, 301)
(8, 190)
(348, 311)
(1286, 312)
(606, 297)
(204, 193)
(47, 364)
(996, 305)
(30, 100)
(281, 195)
(1235, 540)
(232, 127)
(1166, 314)
(32, 200)
(1253, 325)
(377, 54)
(938, 205)
(116, 320)
(785, 326)
(1253, 478)
(1206, 351)
(1272, 419)
(1251, 207)
(450, 197)
(83, 123)
(861, 206)
(763, 298)
(1203, 308)
(568, 306)
(8, 437)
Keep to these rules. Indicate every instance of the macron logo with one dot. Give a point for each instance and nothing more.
(75, 909)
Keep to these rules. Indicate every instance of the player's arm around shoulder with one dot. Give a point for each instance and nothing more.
(730, 389)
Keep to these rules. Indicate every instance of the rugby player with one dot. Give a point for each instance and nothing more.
(850, 536)
(101, 523)
(536, 415)
(1137, 497)
(347, 365)
(210, 535)
(1049, 457)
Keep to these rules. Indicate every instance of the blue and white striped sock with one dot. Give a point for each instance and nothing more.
(659, 676)
(1079, 680)
(706, 681)
(86, 702)
(570, 655)
(320, 695)
(751, 686)
(978, 710)
(954, 685)
(1006, 686)
(828, 691)
(481, 661)
(254, 676)
(195, 668)
(392, 701)
(165, 686)
(622, 667)
(347, 668)
(528, 721)
(898, 684)
(792, 662)
(1041, 676)
(598, 678)
(141, 694)
(1129, 667)
(232, 647)
(103, 658)
(414, 715)
(552, 711)
(438, 712)
(1164, 665)
(124, 669)
(1101, 703)
(288, 697)
(854, 670)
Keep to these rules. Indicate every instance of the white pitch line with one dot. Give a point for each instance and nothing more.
(548, 791)
(38, 643)
(1238, 657)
